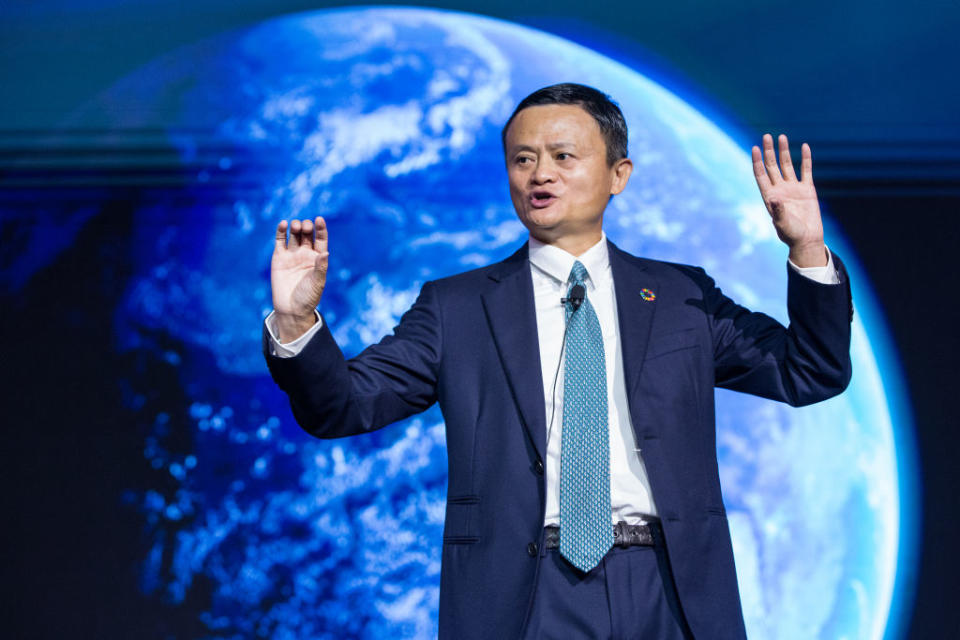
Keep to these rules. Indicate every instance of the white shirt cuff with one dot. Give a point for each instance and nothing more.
(826, 274)
(289, 349)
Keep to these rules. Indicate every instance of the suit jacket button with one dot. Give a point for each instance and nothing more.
(538, 467)
(532, 549)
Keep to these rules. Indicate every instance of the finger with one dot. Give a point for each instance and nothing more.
(770, 159)
(806, 164)
(763, 180)
(320, 241)
(294, 232)
(786, 163)
(306, 232)
(280, 241)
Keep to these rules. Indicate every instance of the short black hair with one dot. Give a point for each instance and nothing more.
(606, 112)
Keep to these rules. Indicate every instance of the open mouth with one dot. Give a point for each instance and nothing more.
(541, 199)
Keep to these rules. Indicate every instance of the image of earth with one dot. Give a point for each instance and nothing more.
(387, 122)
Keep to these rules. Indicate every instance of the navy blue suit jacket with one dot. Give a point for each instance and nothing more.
(470, 343)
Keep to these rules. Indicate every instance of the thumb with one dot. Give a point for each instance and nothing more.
(776, 209)
(320, 266)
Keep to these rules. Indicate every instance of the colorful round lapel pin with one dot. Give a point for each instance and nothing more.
(647, 295)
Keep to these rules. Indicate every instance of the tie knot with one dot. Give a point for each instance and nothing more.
(578, 273)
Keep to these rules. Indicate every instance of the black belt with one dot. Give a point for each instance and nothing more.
(624, 535)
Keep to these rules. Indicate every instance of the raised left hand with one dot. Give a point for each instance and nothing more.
(792, 203)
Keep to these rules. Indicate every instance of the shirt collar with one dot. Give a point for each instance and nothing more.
(557, 263)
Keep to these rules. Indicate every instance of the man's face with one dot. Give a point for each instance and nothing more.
(560, 181)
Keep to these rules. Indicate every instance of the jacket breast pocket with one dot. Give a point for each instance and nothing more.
(670, 386)
(660, 344)
(461, 525)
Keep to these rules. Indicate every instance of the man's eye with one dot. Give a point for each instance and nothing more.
(563, 156)
(523, 160)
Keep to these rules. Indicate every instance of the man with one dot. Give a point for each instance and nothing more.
(576, 382)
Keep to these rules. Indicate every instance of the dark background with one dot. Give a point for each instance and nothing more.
(872, 86)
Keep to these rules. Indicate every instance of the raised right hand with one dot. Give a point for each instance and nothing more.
(298, 274)
(792, 203)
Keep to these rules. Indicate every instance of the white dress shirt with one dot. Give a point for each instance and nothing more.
(630, 496)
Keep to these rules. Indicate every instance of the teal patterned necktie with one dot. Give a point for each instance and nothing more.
(585, 530)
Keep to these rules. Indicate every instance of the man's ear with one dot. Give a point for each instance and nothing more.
(621, 174)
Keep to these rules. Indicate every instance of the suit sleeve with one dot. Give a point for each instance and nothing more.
(332, 397)
(804, 363)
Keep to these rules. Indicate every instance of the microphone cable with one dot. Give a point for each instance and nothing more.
(577, 295)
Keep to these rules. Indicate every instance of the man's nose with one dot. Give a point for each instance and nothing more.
(545, 171)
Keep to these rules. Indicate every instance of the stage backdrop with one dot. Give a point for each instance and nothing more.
(387, 123)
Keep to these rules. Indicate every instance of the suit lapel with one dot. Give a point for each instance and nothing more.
(510, 310)
(635, 313)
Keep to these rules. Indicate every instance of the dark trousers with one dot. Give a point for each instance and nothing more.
(629, 595)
